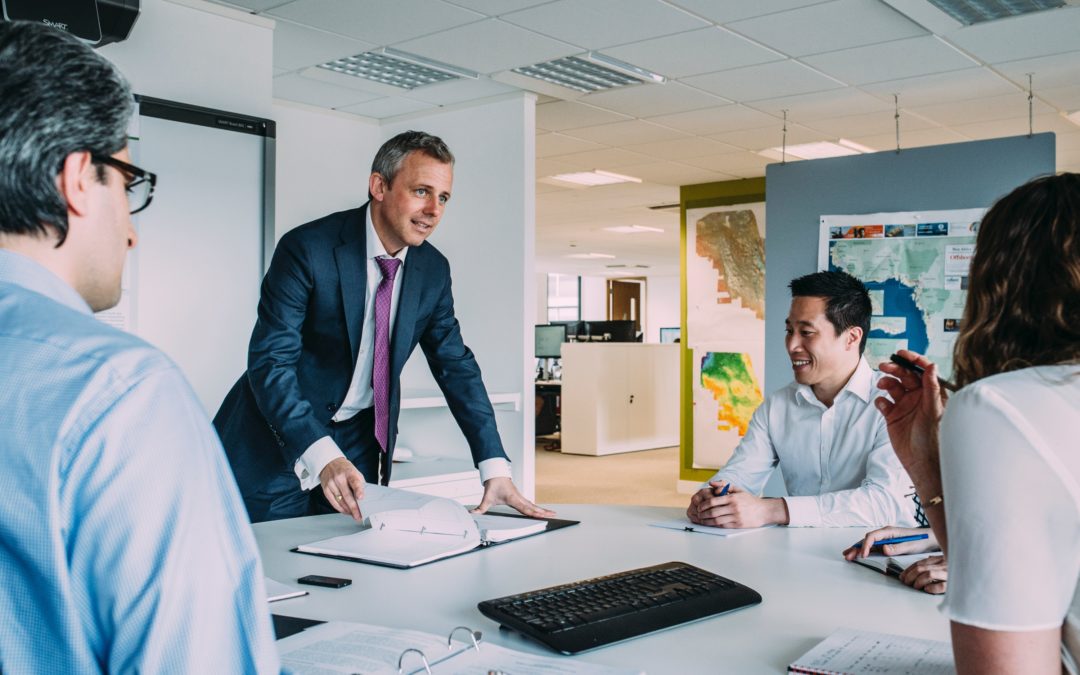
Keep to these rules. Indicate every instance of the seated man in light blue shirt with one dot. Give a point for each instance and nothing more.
(822, 429)
(123, 541)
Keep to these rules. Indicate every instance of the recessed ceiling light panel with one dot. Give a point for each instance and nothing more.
(594, 177)
(969, 12)
(594, 72)
(397, 68)
(633, 229)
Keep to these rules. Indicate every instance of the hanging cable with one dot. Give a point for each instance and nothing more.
(783, 144)
(896, 116)
(1031, 107)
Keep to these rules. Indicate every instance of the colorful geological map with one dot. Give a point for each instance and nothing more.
(730, 378)
(730, 240)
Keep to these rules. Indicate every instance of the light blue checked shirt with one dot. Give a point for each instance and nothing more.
(124, 546)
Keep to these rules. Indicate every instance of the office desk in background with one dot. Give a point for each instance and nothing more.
(548, 408)
(808, 589)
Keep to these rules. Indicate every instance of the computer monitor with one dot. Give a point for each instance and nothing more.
(549, 341)
(611, 331)
(669, 334)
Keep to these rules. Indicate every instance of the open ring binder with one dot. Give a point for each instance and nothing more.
(474, 637)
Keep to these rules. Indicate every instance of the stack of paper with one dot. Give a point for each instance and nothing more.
(855, 652)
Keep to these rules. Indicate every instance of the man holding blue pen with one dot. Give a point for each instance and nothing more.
(822, 429)
(929, 575)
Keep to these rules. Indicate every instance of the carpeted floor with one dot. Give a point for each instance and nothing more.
(647, 478)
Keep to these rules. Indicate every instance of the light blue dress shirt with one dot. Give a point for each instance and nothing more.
(124, 546)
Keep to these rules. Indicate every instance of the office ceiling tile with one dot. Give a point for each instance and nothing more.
(694, 52)
(891, 60)
(552, 144)
(767, 80)
(560, 115)
(957, 85)
(1058, 70)
(716, 120)
(488, 46)
(459, 91)
(1008, 106)
(768, 137)
(255, 5)
(497, 7)
(298, 47)
(683, 148)
(834, 103)
(1021, 37)
(648, 100)
(550, 167)
(293, 87)
(918, 138)
(740, 165)
(1016, 127)
(1069, 141)
(829, 26)
(868, 124)
(625, 133)
(376, 21)
(603, 23)
(387, 107)
(606, 159)
(675, 173)
(1066, 98)
(734, 10)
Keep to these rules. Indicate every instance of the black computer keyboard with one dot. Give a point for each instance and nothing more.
(587, 614)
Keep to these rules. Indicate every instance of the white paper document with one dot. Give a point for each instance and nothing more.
(406, 529)
(340, 647)
(686, 526)
(855, 652)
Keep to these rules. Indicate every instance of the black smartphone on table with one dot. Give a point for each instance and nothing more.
(328, 582)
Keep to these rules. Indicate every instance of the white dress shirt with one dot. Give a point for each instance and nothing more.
(837, 462)
(1010, 473)
(361, 395)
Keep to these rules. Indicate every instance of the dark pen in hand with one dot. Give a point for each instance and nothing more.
(919, 370)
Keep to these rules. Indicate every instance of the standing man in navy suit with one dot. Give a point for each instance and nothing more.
(346, 300)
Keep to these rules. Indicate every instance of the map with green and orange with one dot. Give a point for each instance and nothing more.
(729, 376)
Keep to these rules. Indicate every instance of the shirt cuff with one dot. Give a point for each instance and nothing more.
(803, 512)
(314, 460)
(496, 467)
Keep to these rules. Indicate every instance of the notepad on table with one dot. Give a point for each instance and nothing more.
(855, 652)
(408, 529)
(687, 526)
(892, 565)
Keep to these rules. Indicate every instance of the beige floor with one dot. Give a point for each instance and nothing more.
(647, 478)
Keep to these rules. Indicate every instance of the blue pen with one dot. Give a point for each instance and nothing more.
(894, 540)
(723, 491)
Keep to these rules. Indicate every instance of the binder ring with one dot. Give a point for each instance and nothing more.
(427, 668)
(474, 635)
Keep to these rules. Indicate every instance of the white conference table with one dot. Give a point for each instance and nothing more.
(808, 590)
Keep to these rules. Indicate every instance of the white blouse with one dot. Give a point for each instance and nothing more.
(1010, 465)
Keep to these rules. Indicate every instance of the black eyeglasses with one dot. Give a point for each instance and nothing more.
(139, 183)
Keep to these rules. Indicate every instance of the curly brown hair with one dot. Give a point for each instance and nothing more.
(1023, 304)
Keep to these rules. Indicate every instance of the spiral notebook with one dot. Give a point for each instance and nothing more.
(857, 652)
(343, 647)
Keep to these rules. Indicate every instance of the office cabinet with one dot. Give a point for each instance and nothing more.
(619, 397)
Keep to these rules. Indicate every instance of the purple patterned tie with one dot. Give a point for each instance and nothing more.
(380, 373)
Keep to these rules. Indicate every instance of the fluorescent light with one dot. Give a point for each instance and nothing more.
(590, 256)
(595, 177)
(818, 150)
(633, 229)
(1073, 117)
(593, 72)
(397, 68)
(969, 12)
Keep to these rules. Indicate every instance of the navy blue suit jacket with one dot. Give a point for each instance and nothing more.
(304, 346)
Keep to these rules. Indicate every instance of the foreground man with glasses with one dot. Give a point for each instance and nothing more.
(123, 542)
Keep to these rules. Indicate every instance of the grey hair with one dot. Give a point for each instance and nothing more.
(57, 96)
(393, 152)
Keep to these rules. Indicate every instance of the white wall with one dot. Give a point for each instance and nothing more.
(541, 298)
(661, 305)
(323, 162)
(593, 298)
(488, 235)
(200, 54)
